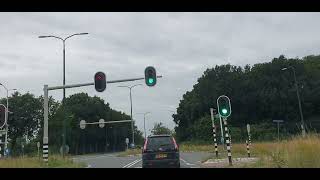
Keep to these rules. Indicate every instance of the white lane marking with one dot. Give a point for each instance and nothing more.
(138, 167)
(188, 164)
(127, 165)
(132, 163)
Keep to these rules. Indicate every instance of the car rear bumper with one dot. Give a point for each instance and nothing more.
(165, 163)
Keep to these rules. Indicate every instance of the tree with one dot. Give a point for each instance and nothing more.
(160, 129)
(26, 113)
(81, 106)
(258, 94)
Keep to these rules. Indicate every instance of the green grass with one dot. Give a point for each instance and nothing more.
(296, 152)
(55, 161)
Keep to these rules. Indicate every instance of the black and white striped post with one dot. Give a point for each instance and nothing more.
(248, 148)
(45, 152)
(214, 132)
(249, 136)
(45, 144)
(227, 141)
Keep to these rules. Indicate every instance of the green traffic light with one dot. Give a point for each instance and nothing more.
(224, 111)
(150, 80)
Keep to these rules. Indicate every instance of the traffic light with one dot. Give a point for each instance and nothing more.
(100, 82)
(2, 115)
(150, 76)
(224, 106)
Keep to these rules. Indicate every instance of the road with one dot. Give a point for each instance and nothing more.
(111, 160)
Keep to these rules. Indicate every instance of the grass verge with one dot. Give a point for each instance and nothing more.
(296, 152)
(55, 161)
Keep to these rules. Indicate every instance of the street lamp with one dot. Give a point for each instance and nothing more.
(297, 90)
(64, 82)
(144, 123)
(6, 117)
(130, 87)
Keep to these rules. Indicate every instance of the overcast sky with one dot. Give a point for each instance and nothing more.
(179, 45)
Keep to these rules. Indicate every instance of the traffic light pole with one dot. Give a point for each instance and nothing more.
(46, 90)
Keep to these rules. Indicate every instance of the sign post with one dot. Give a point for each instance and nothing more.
(278, 122)
(213, 111)
(127, 142)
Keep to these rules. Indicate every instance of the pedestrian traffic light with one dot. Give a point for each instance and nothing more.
(150, 76)
(2, 115)
(100, 82)
(224, 106)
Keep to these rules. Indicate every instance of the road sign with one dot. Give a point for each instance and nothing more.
(127, 140)
(101, 123)
(224, 106)
(248, 128)
(82, 124)
(38, 144)
(2, 115)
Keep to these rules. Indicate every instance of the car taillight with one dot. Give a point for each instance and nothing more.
(145, 145)
(175, 144)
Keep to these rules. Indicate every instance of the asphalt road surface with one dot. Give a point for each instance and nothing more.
(111, 160)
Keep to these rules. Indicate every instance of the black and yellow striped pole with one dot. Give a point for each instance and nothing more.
(214, 132)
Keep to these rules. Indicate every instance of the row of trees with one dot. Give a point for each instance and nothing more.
(26, 121)
(258, 93)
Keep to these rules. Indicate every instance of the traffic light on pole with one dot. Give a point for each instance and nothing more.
(100, 82)
(224, 106)
(150, 76)
(2, 115)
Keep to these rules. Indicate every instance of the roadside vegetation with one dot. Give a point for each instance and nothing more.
(295, 152)
(55, 161)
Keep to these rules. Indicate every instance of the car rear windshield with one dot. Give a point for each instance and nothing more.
(165, 142)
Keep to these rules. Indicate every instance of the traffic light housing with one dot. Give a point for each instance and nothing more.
(150, 76)
(224, 106)
(2, 115)
(100, 82)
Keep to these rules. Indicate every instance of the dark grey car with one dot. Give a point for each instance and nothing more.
(160, 151)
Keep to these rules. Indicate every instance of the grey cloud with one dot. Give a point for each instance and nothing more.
(180, 45)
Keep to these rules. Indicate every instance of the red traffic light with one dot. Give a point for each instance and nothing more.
(100, 82)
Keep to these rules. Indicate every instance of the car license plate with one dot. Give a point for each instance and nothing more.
(160, 156)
